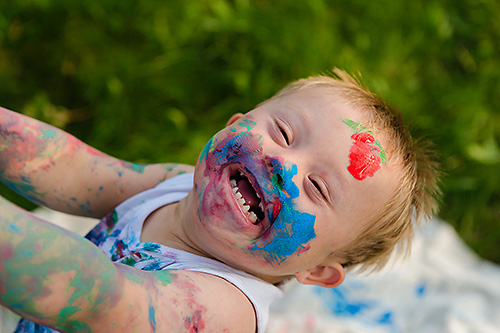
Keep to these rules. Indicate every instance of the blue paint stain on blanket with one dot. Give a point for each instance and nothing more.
(348, 301)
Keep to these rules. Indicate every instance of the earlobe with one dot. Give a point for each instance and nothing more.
(330, 276)
(233, 118)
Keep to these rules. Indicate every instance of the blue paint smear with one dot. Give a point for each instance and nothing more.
(206, 149)
(209, 146)
(421, 290)
(152, 319)
(26, 190)
(26, 180)
(344, 307)
(349, 302)
(153, 247)
(386, 319)
(86, 208)
(14, 229)
(291, 229)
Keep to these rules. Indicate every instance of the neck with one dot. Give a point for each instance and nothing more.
(180, 216)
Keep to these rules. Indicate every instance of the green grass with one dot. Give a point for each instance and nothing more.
(151, 81)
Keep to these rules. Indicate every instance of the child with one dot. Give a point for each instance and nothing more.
(319, 179)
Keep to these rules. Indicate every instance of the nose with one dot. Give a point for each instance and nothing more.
(282, 173)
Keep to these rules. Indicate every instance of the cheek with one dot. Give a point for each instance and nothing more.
(236, 148)
(292, 230)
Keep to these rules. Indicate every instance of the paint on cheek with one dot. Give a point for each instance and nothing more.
(247, 123)
(366, 153)
(213, 143)
(239, 148)
(292, 230)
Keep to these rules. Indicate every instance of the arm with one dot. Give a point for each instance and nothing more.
(55, 278)
(55, 169)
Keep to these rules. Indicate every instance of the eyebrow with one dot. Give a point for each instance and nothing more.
(303, 121)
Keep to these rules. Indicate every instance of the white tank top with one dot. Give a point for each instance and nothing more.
(119, 233)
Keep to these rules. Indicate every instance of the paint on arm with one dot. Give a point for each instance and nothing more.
(58, 279)
(53, 168)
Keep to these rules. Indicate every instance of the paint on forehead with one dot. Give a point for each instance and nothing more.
(366, 153)
(358, 128)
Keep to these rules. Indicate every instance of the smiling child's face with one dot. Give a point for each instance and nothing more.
(289, 182)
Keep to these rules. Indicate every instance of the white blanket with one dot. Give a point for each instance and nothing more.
(441, 287)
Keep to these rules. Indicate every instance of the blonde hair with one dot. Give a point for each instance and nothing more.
(416, 196)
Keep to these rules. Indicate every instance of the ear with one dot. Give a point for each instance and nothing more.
(330, 276)
(233, 118)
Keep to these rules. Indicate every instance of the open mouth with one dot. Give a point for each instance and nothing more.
(248, 198)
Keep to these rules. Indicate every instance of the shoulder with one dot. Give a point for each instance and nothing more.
(222, 306)
(167, 301)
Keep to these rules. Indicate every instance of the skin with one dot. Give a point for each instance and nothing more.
(317, 149)
(82, 289)
(296, 148)
(40, 162)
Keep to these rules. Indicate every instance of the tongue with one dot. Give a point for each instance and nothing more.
(248, 193)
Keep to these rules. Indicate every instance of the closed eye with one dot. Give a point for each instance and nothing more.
(284, 134)
(318, 188)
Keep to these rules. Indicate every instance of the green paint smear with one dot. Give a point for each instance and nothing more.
(165, 277)
(68, 312)
(26, 190)
(75, 326)
(48, 133)
(248, 124)
(137, 167)
(44, 240)
(358, 128)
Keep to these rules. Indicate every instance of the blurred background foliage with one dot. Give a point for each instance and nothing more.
(151, 81)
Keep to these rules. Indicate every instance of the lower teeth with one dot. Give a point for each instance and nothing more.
(252, 217)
